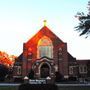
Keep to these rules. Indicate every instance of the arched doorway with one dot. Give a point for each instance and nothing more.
(44, 71)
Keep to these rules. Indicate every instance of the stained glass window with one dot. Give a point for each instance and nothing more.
(45, 47)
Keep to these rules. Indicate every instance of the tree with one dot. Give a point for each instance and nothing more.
(84, 25)
(59, 77)
(31, 74)
(6, 64)
(7, 60)
(3, 72)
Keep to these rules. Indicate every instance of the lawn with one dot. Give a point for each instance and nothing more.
(59, 88)
(8, 87)
(74, 88)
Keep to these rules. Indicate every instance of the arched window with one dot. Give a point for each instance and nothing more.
(45, 48)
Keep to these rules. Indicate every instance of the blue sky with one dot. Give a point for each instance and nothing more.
(21, 19)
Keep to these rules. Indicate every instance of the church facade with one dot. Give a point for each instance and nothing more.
(46, 54)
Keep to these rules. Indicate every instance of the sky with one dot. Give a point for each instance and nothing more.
(21, 19)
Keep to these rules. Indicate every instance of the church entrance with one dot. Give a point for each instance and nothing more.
(44, 71)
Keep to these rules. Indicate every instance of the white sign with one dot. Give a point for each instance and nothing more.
(35, 81)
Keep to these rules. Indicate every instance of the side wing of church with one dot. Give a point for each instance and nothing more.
(45, 54)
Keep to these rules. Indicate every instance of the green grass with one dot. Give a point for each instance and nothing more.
(74, 88)
(59, 87)
(8, 87)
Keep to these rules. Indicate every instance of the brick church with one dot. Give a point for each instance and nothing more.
(45, 54)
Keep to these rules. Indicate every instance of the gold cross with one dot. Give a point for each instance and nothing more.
(45, 22)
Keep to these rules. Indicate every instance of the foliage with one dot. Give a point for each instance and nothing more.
(38, 87)
(6, 63)
(59, 77)
(5, 59)
(31, 74)
(3, 72)
(84, 25)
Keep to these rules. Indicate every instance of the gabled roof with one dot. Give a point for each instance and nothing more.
(44, 31)
(19, 59)
(71, 58)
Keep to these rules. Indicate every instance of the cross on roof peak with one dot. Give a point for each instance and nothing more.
(45, 22)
